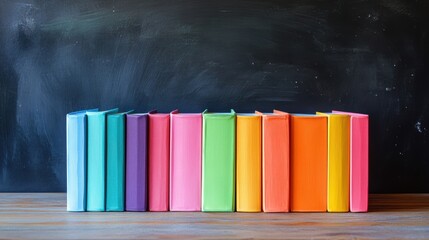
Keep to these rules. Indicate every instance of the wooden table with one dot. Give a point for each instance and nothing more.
(44, 216)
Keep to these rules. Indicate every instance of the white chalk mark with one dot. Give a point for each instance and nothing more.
(419, 127)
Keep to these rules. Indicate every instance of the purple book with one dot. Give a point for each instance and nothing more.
(136, 162)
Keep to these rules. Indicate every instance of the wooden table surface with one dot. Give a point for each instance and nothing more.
(44, 216)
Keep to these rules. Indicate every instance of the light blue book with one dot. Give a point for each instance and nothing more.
(115, 183)
(96, 190)
(76, 127)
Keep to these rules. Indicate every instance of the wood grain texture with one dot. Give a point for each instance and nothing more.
(44, 216)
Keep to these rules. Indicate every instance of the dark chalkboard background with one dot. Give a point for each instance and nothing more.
(296, 55)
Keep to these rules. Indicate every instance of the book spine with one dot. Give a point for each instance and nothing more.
(275, 145)
(76, 162)
(158, 161)
(96, 162)
(309, 164)
(249, 164)
(136, 163)
(185, 163)
(338, 163)
(359, 165)
(218, 163)
(115, 192)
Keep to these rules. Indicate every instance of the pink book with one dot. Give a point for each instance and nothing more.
(159, 161)
(185, 161)
(358, 161)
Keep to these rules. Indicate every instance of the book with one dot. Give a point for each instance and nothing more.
(338, 162)
(218, 184)
(309, 152)
(115, 180)
(96, 188)
(358, 161)
(275, 161)
(185, 161)
(136, 162)
(249, 163)
(159, 161)
(76, 131)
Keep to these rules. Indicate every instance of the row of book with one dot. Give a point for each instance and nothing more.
(220, 162)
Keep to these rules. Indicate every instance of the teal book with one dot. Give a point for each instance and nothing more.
(96, 179)
(115, 180)
(218, 169)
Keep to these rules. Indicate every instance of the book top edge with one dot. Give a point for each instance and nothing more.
(182, 115)
(81, 112)
(352, 114)
(333, 115)
(305, 115)
(110, 111)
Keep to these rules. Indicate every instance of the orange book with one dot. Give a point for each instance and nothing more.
(275, 161)
(309, 160)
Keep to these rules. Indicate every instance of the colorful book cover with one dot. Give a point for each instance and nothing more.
(115, 181)
(218, 162)
(136, 162)
(96, 188)
(249, 163)
(185, 161)
(358, 161)
(159, 161)
(76, 159)
(275, 161)
(338, 161)
(309, 160)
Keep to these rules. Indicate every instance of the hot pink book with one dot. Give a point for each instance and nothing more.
(159, 161)
(185, 161)
(358, 161)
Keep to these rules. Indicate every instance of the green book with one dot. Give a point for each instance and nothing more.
(96, 179)
(115, 181)
(218, 177)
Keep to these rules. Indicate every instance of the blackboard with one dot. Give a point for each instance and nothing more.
(296, 55)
